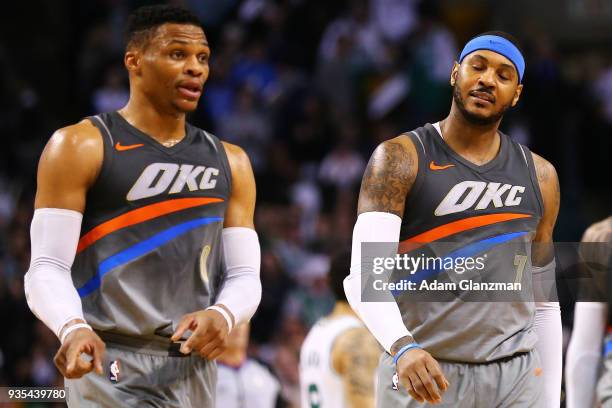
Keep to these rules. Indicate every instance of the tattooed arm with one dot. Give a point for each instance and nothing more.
(387, 181)
(549, 187)
(547, 323)
(389, 177)
(355, 358)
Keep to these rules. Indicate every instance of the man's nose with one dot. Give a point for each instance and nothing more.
(487, 78)
(193, 67)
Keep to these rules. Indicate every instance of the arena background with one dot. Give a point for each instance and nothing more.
(308, 88)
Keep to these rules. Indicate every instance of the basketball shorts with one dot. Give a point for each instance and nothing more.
(510, 382)
(138, 377)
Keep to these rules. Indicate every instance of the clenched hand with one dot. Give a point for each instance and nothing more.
(422, 376)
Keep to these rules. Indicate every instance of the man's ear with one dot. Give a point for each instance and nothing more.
(517, 95)
(454, 73)
(132, 60)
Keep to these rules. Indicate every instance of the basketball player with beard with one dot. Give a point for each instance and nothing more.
(463, 181)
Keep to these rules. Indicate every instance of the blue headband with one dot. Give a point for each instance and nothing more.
(499, 45)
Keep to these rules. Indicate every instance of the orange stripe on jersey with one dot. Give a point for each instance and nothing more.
(140, 215)
(456, 227)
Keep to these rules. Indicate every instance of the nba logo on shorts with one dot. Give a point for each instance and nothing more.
(114, 371)
(395, 381)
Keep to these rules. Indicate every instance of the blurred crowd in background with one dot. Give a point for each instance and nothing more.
(308, 89)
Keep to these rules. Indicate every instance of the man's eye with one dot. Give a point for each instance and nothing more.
(504, 77)
(478, 67)
(203, 57)
(177, 54)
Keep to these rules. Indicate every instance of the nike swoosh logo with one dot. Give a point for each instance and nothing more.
(434, 166)
(122, 148)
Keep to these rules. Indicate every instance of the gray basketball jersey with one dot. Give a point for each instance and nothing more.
(150, 246)
(494, 209)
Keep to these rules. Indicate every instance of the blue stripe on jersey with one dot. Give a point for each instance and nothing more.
(467, 251)
(140, 249)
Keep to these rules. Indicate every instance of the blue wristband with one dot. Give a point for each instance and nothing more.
(405, 349)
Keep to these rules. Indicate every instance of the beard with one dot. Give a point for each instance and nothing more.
(475, 118)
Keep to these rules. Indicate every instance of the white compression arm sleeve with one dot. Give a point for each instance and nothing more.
(383, 319)
(547, 325)
(241, 288)
(49, 290)
(584, 353)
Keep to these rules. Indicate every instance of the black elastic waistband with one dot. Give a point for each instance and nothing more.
(155, 345)
(498, 360)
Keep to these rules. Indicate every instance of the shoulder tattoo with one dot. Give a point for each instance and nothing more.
(388, 177)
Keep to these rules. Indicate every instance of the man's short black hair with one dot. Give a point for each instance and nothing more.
(144, 20)
(505, 35)
(340, 266)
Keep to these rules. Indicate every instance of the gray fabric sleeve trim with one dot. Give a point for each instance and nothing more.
(210, 139)
(110, 136)
(420, 141)
(524, 156)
